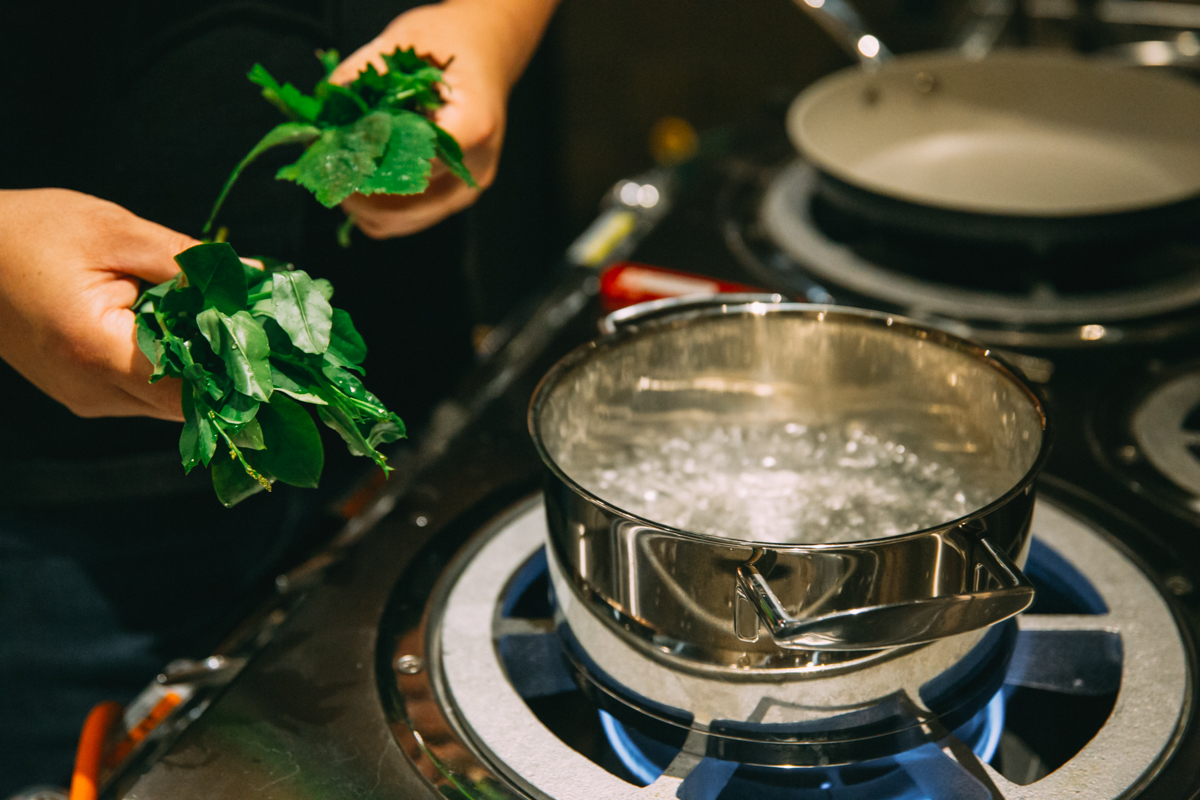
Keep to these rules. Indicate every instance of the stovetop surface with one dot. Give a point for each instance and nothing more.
(305, 718)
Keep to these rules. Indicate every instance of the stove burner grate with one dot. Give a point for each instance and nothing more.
(787, 236)
(536, 735)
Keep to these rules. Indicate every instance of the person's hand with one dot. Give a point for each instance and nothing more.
(69, 269)
(490, 43)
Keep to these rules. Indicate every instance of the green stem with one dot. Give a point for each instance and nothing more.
(170, 337)
(234, 452)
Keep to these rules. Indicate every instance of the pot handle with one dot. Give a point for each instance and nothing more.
(1001, 591)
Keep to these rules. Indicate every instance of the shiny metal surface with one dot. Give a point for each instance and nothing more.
(673, 306)
(999, 590)
(786, 217)
(497, 739)
(842, 22)
(975, 136)
(673, 592)
(1160, 428)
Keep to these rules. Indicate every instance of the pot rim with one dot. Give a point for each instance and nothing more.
(901, 324)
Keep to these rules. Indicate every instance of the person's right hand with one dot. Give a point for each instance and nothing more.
(69, 270)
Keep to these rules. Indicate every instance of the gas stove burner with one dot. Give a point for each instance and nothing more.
(1151, 437)
(1000, 297)
(486, 703)
(1166, 427)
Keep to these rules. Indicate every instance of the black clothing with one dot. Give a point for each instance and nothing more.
(146, 104)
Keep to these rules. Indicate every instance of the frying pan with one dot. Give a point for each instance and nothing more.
(1035, 147)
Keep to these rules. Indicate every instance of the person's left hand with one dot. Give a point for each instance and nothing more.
(480, 37)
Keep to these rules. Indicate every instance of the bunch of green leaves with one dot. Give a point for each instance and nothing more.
(251, 346)
(373, 136)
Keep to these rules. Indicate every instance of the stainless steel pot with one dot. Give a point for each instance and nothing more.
(699, 601)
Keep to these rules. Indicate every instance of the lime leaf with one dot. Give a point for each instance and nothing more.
(302, 311)
(406, 164)
(249, 436)
(242, 344)
(198, 441)
(388, 430)
(231, 482)
(352, 388)
(299, 387)
(216, 271)
(337, 418)
(324, 287)
(346, 345)
(150, 345)
(335, 165)
(293, 451)
(238, 409)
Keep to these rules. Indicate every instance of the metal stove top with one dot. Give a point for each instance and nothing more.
(1112, 643)
(421, 664)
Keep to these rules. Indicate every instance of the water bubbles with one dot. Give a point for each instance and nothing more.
(781, 483)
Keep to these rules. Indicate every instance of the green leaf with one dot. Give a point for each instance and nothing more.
(339, 105)
(264, 307)
(293, 451)
(201, 378)
(452, 156)
(150, 345)
(406, 164)
(232, 483)
(406, 61)
(302, 311)
(294, 384)
(325, 288)
(346, 346)
(329, 59)
(216, 271)
(362, 400)
(198, 441)
(285, 133)
(337, 418)
(287, 98)
(238, 409)
(155, 292)
(185, 302)
(335, 165)
(242, 344)
(249, 436)
(388, 430)
(369, 85)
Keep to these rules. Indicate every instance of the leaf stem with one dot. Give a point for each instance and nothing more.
(234, 452)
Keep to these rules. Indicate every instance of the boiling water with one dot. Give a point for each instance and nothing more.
(780, 483)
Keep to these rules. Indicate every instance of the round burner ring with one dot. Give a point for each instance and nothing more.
(785, 215)
(491, 720)
(1161, 433)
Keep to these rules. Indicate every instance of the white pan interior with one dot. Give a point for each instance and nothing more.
(1018, 133)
